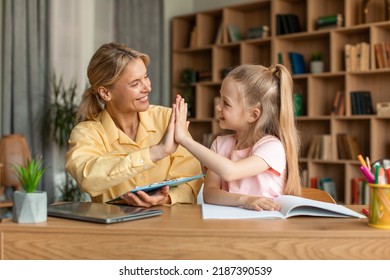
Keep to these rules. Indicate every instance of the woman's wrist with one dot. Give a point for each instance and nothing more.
(157, 152)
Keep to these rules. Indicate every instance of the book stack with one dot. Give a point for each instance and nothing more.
(357, 57)
(329, 21)
(382, 55)
(326, 184)
(347, 146)
(320, 147)
(287, 23)
(361, 103)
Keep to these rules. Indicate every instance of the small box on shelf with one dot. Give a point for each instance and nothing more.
(261, 31)
(329, 21)
(383, 109)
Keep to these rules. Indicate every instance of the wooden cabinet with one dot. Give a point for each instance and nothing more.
(201, 42)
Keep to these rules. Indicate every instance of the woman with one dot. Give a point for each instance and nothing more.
(123, 141)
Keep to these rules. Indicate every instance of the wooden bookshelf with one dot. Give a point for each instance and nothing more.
(204, 53)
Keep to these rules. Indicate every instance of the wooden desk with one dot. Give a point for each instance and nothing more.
(180, 233)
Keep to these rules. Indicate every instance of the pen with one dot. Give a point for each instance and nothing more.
(377, 167)
(381, 176)
(368, 162)
(362, 162)
(386, 165)
(367, 174)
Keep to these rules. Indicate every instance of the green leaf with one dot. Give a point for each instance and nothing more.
(30, 175)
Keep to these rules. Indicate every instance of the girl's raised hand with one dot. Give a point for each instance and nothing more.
(181, 123)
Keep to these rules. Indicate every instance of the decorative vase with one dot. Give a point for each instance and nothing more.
(30, 208)
(316, 66)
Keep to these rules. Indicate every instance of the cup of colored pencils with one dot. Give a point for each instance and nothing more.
(379, 206)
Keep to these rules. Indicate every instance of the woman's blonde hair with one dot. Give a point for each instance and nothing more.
(270, 90)
(104, 69)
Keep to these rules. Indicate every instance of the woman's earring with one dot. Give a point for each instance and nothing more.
(101, 101)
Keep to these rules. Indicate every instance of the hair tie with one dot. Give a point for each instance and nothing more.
(274, 70)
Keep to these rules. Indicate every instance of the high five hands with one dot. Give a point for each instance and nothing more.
(176, 132)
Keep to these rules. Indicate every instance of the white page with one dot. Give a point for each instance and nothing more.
(210, 211)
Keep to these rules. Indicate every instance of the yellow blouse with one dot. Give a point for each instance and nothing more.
(106, 163)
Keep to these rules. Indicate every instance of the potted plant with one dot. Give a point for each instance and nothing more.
(317, 63)
(30, 204)
(188, 78)
(59, 120)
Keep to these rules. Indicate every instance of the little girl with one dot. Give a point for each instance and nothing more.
(260, 161)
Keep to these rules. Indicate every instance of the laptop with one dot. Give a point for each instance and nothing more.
(100, 212)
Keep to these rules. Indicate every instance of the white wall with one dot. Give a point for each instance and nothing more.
(78, 28)
(172, 8)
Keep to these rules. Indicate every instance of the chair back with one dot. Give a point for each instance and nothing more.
(317, 194)
(13, 150)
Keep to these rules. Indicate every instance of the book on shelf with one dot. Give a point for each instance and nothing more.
(193, 38)
(320, 147)
(334, 20)
(363, 56)
(314, 182)
(234, 33)
(338, 106)
(382, 54)
(291, 206)
(327, 184)
(297, 63)
(304, 178)
(217, 101)
(287, 23)
(350, 57)
(285, 60)
(386, 46)
(326, 147)
(293, 23)
(359, 191)
(218, 36)
(361, 103)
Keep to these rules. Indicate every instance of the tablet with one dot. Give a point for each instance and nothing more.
(150, 189)
(100, 212)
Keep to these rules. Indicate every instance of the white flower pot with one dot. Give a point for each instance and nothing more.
(316, 67)
(30, 208)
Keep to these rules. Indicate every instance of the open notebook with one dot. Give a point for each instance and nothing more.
(290, 206)
(100, 212)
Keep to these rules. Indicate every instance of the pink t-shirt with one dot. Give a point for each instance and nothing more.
(269, 183)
